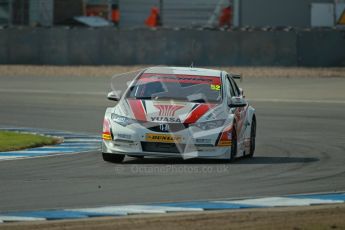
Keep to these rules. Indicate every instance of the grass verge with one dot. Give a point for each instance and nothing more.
(11, 141)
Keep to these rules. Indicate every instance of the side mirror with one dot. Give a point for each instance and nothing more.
(236, 102)
(241, 92)
(237, 76)
(114, 96)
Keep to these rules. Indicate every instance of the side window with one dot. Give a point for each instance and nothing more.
(235, 87)
(229, 88)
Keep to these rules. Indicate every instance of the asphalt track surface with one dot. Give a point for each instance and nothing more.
(300, 147)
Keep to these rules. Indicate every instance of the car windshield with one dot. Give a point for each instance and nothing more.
(190, 88)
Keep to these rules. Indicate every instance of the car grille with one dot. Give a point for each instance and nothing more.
(162, 147)
(173, 127)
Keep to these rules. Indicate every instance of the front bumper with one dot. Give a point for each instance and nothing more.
(193, 143)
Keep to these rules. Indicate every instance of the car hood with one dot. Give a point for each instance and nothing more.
(168, 111)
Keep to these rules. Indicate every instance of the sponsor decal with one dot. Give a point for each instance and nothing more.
(166, 119)
(164, 127)
(215, 87)
(180, 79)
(168, 110)
(163, 138)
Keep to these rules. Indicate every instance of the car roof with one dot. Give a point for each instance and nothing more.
(184, 71)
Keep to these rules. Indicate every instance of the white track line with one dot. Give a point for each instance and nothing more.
(70, 147)
(129, 209)
(10, 157)
(136, 209)
(282, 202)
(67, 140)
(19, 218)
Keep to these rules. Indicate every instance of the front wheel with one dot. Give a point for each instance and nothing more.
(114, 158)
(233, 151)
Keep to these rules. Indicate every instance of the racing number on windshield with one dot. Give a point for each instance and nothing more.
(215, 87)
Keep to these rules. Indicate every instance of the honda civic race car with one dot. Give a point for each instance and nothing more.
(179, 112)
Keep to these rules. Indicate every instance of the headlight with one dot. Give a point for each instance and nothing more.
(209, 124)
(121, 120)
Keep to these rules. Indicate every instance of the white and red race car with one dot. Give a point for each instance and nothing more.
(179, 112)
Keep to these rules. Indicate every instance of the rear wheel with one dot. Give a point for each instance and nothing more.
(114, 158)
(233, 151)
(252, 138)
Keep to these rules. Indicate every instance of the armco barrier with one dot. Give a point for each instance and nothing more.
(53, 47)
(22, 46)
(108, 46)
(321, 48)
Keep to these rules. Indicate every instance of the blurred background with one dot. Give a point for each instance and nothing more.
(173, 32)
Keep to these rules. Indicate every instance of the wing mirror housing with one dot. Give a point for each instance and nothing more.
(241, 92)
(114, 96)
(237, 76)
(236, 102)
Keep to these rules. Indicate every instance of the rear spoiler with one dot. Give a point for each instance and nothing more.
(237, 76)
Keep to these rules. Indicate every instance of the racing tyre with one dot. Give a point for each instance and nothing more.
(114, 158)
(233, 145)
(252, 138)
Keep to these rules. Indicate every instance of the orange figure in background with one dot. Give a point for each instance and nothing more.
(154, 19)
(225, 18)
(115, 15)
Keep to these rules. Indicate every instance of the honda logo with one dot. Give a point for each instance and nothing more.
(164, 127)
